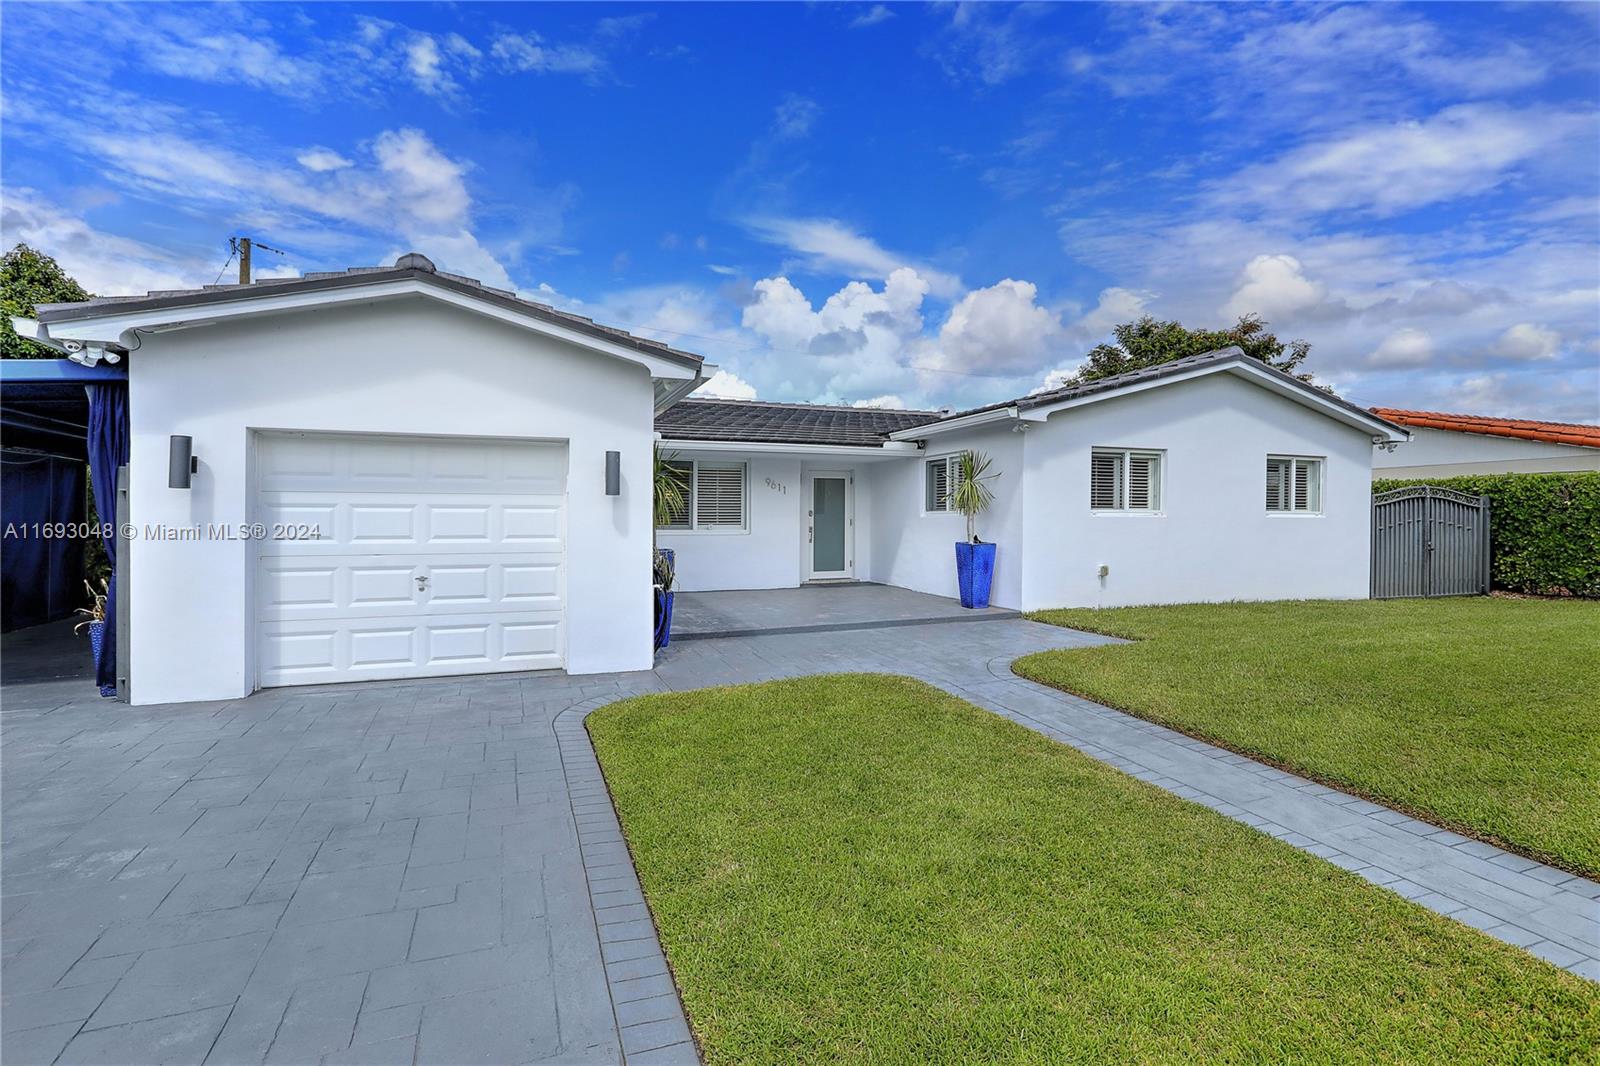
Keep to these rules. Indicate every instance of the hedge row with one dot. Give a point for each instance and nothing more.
(1544, 529)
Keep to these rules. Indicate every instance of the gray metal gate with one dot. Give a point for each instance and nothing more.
(1429, 541)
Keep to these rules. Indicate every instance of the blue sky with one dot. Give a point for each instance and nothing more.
(893, 204)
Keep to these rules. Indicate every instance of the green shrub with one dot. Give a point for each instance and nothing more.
(1544, 529)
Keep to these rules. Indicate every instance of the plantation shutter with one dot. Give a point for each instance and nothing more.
(1144, 482)
(1278, 484)
(1294, 485)
(938, 485)
(719, 495)
(1105, 480)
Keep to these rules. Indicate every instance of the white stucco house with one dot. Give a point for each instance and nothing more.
(400, 472)
(1448, 445)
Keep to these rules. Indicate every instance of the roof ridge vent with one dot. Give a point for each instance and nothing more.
(415, 261)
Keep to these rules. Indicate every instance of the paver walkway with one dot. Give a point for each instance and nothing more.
(431, 872)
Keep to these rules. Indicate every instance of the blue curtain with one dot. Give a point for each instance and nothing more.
(108, 449)
(41, 578)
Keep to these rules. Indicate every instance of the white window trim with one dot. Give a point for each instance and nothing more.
(1322, 486)
(1125, 511)
(951, 472)
(692, 493)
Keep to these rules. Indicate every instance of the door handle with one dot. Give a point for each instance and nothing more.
(810, 534)
(422, 582)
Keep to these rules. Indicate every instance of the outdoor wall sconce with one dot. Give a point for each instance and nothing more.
(181, 463)
(613, 473)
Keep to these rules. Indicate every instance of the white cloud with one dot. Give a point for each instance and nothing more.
(999, 328)
(1403, 347)
(1115, 306)
(990, 43)
(828, 245)
(1385, 169)
(321, 160)
(530, 53)
(425, 183)
(855, 318)
(1272, 286)
(795, 116)
(103, 263)
(727, 386)
(886, 402)
(872, 16)
(1527, 341)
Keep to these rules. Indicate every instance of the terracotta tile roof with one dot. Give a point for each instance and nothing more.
(1549, 432)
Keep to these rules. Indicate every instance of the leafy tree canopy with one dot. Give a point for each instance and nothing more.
(27, 278)
(1148, 342)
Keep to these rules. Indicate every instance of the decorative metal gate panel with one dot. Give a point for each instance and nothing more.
(1429, 541)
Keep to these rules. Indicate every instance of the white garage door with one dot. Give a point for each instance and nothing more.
(433, 556)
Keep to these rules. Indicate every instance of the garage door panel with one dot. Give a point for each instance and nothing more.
(463, 524)
(432, 557)
(322, 462)
(320, 586)
(379, 586)
(297, 653)
(349, 526)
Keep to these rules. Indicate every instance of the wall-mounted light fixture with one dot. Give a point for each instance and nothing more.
(181, 462)
(613, 473)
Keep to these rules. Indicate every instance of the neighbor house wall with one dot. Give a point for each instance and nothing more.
(915, 549)
(1213, 538)
(407, 366)
(1445, 453)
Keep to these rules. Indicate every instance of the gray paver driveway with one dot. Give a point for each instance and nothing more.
(432, 872)
(367, 873)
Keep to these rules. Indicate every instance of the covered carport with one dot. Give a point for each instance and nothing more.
(63, 425)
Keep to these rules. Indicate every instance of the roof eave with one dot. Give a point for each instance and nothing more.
(768, 447)
(958, 422)
(115, 322)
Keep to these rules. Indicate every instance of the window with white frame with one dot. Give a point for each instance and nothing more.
(939, 479)
(1294, 484)
(713, 496)
(1124, 479)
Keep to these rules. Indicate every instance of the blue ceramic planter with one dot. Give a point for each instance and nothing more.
(97, 645)
(668, 561)
(663, 619)
(974, 573)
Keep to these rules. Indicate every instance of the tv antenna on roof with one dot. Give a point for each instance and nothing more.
(242, 247)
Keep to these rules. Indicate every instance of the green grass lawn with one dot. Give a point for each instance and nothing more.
(1478, 714)
(863, 867)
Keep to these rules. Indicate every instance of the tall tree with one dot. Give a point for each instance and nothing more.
(29, 277)
(1148, 342)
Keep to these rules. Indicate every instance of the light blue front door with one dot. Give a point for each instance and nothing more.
(830, 526)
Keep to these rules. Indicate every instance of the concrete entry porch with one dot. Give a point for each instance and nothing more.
(815, 608)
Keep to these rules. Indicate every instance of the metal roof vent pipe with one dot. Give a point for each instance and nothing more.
(416, 261)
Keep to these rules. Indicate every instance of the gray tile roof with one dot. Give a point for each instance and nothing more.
(792, 423)
(411, 265)
(785, 423)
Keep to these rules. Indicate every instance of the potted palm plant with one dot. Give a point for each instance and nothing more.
(95, 623)
(974, 558)
(670, 501)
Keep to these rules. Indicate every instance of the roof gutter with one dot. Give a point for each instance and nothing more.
(670, 392)
(960, 422)
(86, 353)
(893, 449)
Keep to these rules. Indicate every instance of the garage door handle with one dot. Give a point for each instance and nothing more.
(422, 583)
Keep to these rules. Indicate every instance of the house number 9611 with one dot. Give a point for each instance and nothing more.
(777, 486)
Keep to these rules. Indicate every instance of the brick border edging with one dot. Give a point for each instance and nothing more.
(651, 1022)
